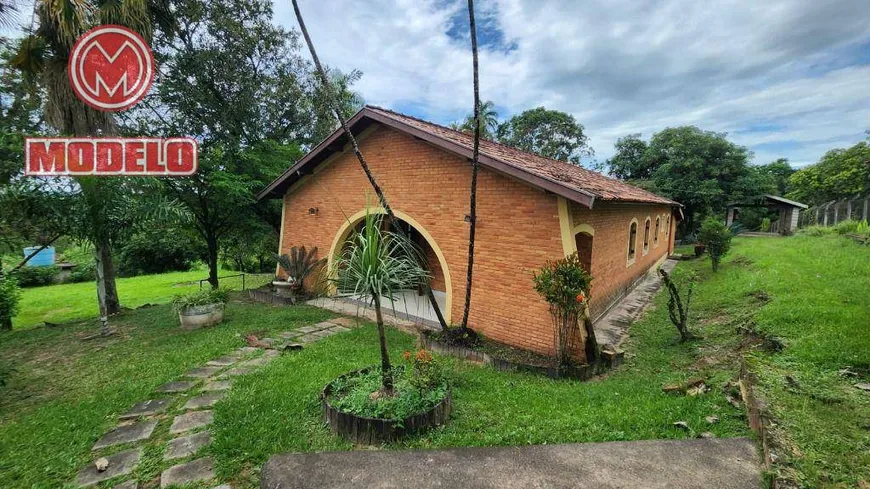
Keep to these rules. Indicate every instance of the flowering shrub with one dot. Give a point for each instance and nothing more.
(425, 372)
(564, 284)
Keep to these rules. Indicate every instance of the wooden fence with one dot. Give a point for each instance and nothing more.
(831, 213)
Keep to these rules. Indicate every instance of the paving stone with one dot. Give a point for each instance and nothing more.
(289, 335)
(126, 485)
(191, 421)
(234, 372)
(340, 329)
(217, 385)
(196, 470)
(147, 408)
(126, 434)
(323, 333)
(269, 341)
(346, 322)
(308, 329)
(271, 354)
(257, 362)
(224, 361)
(176, 386)
(186, 445)
(307, 339)
(222, 486)
(247, 350)
(205, 400)
(120, 463)
(202, 372)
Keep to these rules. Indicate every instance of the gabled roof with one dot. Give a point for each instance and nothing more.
(570, 181)
(762, 200)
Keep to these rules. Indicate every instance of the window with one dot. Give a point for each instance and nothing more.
(646, 236)
(632, 238)
(658, 230)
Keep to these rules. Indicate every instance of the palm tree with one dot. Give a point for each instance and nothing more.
(474, 168)
(44, 54)
(375, 265)
(488, 117)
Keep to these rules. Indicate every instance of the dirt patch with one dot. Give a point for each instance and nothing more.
(742, 261)
(760, 296)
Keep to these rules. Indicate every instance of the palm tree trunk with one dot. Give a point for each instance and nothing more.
(474, 167)
(324, 80)
(386, 368)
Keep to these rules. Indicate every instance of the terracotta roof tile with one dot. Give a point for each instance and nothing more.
(566, 174)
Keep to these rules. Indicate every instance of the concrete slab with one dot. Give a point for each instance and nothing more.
(202, 372)
(191, 421)
(217, 385)
(204, 400)
(197, 470)
(177, 386)
(120, 463)
(147, 408)
(611, 329)
(224, 361)
(186, 445)
(653, 464)
(126, 434)
(235, 372)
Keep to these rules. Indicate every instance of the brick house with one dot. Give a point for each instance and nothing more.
(530, 209)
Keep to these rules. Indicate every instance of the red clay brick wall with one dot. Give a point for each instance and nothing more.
(517, 231)
(611, 273)
(517, 228)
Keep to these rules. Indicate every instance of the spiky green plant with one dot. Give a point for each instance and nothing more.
(377, 264)
(298, 265)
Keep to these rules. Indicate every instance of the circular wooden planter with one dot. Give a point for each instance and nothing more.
(195, 317)
(374, 431)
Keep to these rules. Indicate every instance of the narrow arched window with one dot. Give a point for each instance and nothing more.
(658, 229)
(646, 236)
(632, 238)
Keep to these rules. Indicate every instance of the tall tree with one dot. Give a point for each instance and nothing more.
(475, 164)
(629, 160)
(246, 103)
(777, 174)
(839, 174)
(487, 121)
(549, 133)
(45, 53)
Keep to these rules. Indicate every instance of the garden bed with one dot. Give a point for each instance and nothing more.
(507, 358)
(353, 414)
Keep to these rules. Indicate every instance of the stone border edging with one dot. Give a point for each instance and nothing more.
(373, 431)
(609, 360)
(758, 420)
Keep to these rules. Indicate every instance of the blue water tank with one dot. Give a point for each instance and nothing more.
(42, 259)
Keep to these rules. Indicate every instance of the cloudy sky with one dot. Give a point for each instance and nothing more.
(787, 78)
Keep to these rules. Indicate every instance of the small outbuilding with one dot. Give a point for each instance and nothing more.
(788, 210)
(530, 210)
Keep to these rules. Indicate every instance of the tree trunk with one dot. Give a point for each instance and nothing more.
(386, 368)
(474, 168)
(5, 324)
(212, 260)
(591, 345)
(103, 250)
(101, 294)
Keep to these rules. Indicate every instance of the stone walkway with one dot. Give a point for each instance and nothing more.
(612, 328)
(197, 392)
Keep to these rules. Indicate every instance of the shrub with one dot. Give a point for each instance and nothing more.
(564, 284)
(717, 238)
(765, 225)
(362, 395)
(851, 226)
(35, 276)
(678, 306)
(201, 297)
(298, 265)
(10, 295)
(425, 372)
(155, 251)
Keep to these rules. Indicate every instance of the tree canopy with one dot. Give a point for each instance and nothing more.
(549, 133)
(839, 174)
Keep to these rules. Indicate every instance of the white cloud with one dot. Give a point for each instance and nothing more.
(784, 77)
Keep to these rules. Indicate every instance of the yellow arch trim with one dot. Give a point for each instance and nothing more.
(584, 228)
(351, 221)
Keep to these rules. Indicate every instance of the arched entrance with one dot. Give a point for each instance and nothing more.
(412, 303)
(583, 239)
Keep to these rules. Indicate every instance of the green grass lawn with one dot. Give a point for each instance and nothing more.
(811, 292)
(68, 302)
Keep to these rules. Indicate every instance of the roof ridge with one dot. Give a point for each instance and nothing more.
(572, 166)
